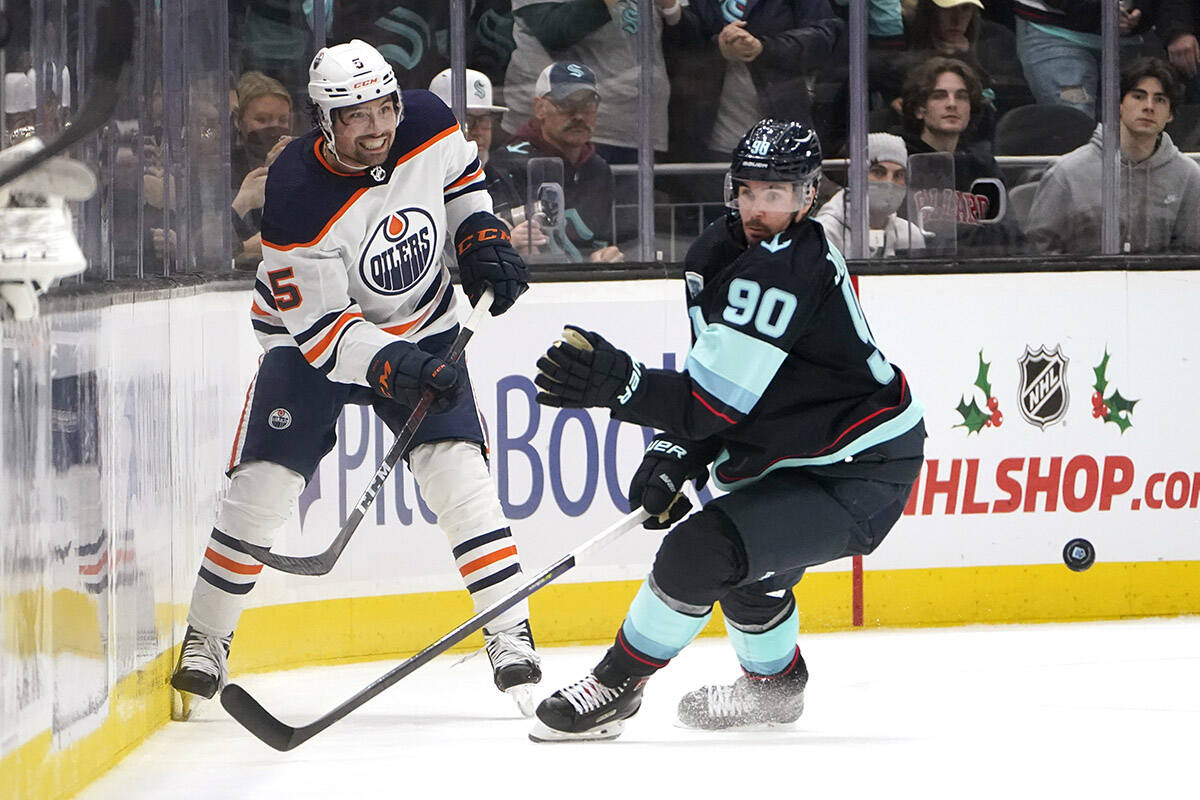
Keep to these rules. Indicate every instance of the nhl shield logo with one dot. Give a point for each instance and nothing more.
(1043, 393)
(378, 173)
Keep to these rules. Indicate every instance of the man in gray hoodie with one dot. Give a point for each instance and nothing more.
(1159, 186)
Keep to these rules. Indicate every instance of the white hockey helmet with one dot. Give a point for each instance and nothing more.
(346, 75)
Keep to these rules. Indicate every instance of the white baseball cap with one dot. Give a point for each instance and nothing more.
(953, 3)
(479, 90)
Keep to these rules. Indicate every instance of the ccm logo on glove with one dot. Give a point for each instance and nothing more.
(483, 236)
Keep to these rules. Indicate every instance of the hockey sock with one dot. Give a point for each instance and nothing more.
(490, 568)
(227, 574)
(656, 628)
(454, 481)
(766, 649)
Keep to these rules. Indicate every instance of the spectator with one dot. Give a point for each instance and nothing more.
(1058, 43)
(262, 128)
(262, 123)
(886, 186)
(565, 107)
(603, 35)
(481, 112)
(527, 234)
(413, 35)
(1160, 187)
(735, 63)
(957, 29)
(941, 99)
(276, 37)
(1177, 23)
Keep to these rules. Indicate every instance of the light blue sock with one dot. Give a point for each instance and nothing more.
(766, 649)
(660, 626)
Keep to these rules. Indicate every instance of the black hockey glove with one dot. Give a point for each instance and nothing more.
(486, 258)
(583, 371)
(657, 486)
(402, 371)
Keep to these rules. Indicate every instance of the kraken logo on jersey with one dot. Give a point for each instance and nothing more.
(399, 252)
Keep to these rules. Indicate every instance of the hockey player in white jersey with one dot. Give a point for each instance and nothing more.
(353, 304)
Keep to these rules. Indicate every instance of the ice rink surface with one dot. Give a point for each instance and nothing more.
(1084, 710)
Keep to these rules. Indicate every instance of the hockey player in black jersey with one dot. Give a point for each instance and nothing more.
(814, 434)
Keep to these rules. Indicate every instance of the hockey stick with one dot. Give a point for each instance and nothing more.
(256, 719)
(321, 563)
(114, 46)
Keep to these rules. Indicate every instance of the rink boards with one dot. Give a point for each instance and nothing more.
(118, 423)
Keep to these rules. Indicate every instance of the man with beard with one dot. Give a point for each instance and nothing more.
(813, 433)
(353, 305)
(565, 108)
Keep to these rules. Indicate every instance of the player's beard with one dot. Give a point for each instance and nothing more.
(372, 158)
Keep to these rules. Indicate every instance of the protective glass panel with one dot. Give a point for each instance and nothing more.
(933, 203)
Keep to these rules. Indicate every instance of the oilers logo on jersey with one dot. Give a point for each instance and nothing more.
(399, 252)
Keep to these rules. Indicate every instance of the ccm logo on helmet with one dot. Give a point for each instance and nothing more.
(399, 252)
(367, 82)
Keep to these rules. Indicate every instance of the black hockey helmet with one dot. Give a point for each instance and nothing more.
(775, 150)
(779, 151)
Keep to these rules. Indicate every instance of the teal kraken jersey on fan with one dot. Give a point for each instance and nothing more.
(783, 370)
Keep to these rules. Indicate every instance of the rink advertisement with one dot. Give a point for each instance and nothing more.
(1055, 406)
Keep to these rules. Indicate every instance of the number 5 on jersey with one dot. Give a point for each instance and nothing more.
(287, 295)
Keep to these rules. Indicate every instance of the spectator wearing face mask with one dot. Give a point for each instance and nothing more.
(886, 189)
(262, 128)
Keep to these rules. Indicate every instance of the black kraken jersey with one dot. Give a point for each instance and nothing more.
(783, 370)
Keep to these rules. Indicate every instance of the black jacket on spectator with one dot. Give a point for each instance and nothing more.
(972, 161)
(798, 36)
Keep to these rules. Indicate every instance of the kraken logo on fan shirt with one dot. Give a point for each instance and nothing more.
(399, 251)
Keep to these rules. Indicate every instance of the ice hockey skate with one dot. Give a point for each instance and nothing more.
(592, 709)
(516, 666)
(750, 701)
(202, 670)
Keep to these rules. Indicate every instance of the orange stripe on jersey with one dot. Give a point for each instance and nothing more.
(231, 565)
(237, 437)
(315, 352)
(405, 327)
(432, 141)
(466, 179)
(480, 563)
(320, 151)
(325, 230)
(257, 309)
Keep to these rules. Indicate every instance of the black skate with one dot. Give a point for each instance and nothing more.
(515, 664)
(590, 709)
(752, 700)
(202, 670)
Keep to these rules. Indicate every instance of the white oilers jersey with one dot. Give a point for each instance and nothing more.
(354, 260)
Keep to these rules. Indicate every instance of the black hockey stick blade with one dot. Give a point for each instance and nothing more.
(322, 563)
(114, 47)
(281, 736)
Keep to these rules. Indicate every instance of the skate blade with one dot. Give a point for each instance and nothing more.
(523, 696)
(184, 704)
(543, 734)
